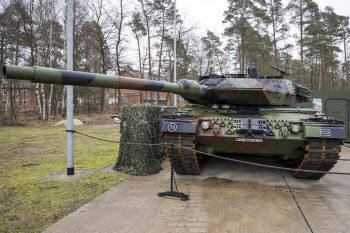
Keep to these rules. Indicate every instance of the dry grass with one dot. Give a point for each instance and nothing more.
(30, 204)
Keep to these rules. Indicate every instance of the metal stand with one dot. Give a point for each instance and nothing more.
(172, 193)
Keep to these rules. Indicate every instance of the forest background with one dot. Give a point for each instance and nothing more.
(136, 36)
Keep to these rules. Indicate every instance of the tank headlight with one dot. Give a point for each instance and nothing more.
(295, 128)
(205, 125)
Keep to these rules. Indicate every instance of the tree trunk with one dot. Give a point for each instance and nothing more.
(301, 45)
(24, 105)
(242, 53)
(103, 91)
(332, 70)
(140, 63)
(2, 50)
(115, 100)
(149, 47)
(12, 94)
(50, 64)
(346, 65)
(43, 109)
(313, 76)
(50, 102)
(117, 50)
(275, 44)
(262, 63)
(207, 70)
(321, 67)
(161, 50)
(118, 70)
(119, 99)
(63, 100)
(57, 105)
(38, 101)
(332, 60)
(171, 78)
(6, 104)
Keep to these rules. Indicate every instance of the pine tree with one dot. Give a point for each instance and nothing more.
(345, 36)
(212, 46)
(239, 18)
(300, 14)
(275, 23)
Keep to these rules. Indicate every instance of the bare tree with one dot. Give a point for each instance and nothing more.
(147, 12)
(118, 18)
(163, 9)
(102, 30)
(139, 31)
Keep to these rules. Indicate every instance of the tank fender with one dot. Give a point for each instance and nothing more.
(336, 132)
(178, 126)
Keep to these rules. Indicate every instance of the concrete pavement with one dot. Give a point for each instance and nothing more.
(226, 197)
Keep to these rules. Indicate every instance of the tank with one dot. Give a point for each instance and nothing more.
(226, 115)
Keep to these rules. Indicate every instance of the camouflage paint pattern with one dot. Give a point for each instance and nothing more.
(263, 92)
(237, 91)
(261, 131)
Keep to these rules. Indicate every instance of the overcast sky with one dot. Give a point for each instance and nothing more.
(208, 14)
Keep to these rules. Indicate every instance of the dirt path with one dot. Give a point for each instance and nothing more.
(227, 197)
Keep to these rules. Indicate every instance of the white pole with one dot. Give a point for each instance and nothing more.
(70, 143)
(175, 96)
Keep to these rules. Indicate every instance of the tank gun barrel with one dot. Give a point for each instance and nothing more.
(55, 76)
(211, 90)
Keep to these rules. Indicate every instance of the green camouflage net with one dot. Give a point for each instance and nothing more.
(166, 110)
(140, 124)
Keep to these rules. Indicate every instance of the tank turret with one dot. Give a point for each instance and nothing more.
(211, 90)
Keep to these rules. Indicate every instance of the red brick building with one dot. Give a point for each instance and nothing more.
(23, 94)
(134, 97)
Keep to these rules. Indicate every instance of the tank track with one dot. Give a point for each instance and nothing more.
(185, 161)
(321, 155)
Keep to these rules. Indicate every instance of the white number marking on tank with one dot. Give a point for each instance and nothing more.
(172, 127)
(325, 132)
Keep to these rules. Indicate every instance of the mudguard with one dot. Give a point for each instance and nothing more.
(178, 126)
(337, 132)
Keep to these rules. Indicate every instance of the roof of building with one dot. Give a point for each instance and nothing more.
(21, 84)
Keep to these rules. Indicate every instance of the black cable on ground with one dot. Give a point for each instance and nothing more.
(118, 142)
(302, 213)
(224, 158)
(262, 165)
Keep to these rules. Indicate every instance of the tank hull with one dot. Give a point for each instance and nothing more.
(281, 132)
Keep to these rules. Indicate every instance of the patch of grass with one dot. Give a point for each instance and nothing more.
(30, 204)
